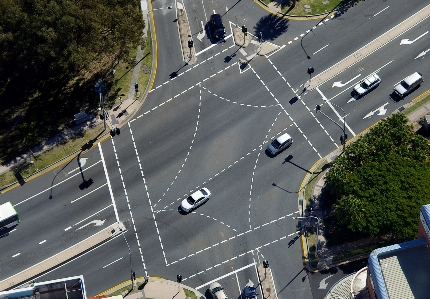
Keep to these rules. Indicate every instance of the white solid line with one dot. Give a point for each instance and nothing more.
(108, 182)
(67, 228)
(380, 11)
(334, 110)
(320, 49)
(52, 187)
(15, 255)
(226, 275)
(213, 45)
(88, 193)
(112, 262)
(42, 242)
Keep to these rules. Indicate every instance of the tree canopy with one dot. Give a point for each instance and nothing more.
(53, 51)
(381, 180)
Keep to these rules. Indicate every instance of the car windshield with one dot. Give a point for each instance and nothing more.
(404, 84)
(276, 144)
(364, 85)
(204, 192)
(217, 289)
(190, 200)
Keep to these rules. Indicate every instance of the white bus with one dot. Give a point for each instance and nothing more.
(8, 217)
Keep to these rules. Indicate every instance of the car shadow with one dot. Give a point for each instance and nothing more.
(182, 212)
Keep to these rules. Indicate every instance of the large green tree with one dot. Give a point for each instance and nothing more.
(52, 51)
(381, 180)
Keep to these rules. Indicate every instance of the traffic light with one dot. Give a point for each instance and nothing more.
(190, 44)
(311, 70)
(117, 131)
(179, 278)
(244, 29)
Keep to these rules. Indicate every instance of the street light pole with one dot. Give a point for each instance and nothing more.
(343, 140)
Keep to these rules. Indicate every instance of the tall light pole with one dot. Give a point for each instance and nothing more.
(344, 136)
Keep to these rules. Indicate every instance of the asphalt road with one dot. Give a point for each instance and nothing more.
(207, 125)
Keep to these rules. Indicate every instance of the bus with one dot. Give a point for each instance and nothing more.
(8, 217)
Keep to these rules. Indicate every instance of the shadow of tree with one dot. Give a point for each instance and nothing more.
(271, 26)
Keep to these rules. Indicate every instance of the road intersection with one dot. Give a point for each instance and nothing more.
(207, 125)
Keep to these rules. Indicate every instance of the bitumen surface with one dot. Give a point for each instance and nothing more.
(158, 288)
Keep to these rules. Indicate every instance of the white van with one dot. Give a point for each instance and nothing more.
(408, 84)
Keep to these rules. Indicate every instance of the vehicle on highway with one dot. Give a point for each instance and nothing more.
(217, 291)
(8, 216)
(249, 292)
(279, 144)
(408, 84)
(196, 199)
(369, 83)
(216, 27)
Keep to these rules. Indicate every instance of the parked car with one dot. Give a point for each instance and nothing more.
(279, 144)
(217, 291)
(369, 83)
(249, 292)
(216, 27)
(408, 84)
(196, 199)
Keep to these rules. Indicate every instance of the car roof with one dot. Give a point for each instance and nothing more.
(412, 78)
(283, 138)
(372, 78)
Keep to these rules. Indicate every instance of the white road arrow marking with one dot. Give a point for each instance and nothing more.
(381, 110)
(200, 35)
(351, 100)
(340, 84)
(423, 53)
(408, 42)
(323, 284)
(95, 222)
(82, 161)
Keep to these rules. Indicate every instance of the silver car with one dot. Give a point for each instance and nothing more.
(369, 83)
(196, 199)
(279, 144)
(217, 291)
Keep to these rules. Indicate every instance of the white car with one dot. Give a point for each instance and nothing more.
(196, 199)
(279, 144)
(370, 82)
(217, 291)
(408, 84)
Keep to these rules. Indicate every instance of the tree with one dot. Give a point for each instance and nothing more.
(382, 180)
(52, 53)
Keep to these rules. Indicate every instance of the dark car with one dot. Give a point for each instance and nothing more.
(216, 27)
(249, 292)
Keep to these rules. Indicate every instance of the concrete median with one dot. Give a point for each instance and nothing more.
(60, 258)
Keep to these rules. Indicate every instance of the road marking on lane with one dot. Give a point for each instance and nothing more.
(40, 243)
(108, 182)
(321, 48)
(15, 255)
(88, 193)
(197, 84)
(223, 170)
(422, 54)
(240, 255)
(213, 45)
(149, 200)
(406, 41)
(340, 84)
(250, 187)
(189, 149)
(224, 276)
(241, 104)
(286, 112)
(82, 162)
(234, 237)
(381, 110)
(112, 262)
(128, 201)
(335, 111)
(380, 11)
(95, 222)
(52, 187)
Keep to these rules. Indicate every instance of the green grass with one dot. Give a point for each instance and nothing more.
(190, 294)
(317, 7)
(416, 105)
(311, 183)
(60, 151)
(355, 252)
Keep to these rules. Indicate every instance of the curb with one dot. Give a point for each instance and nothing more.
(292, 17)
